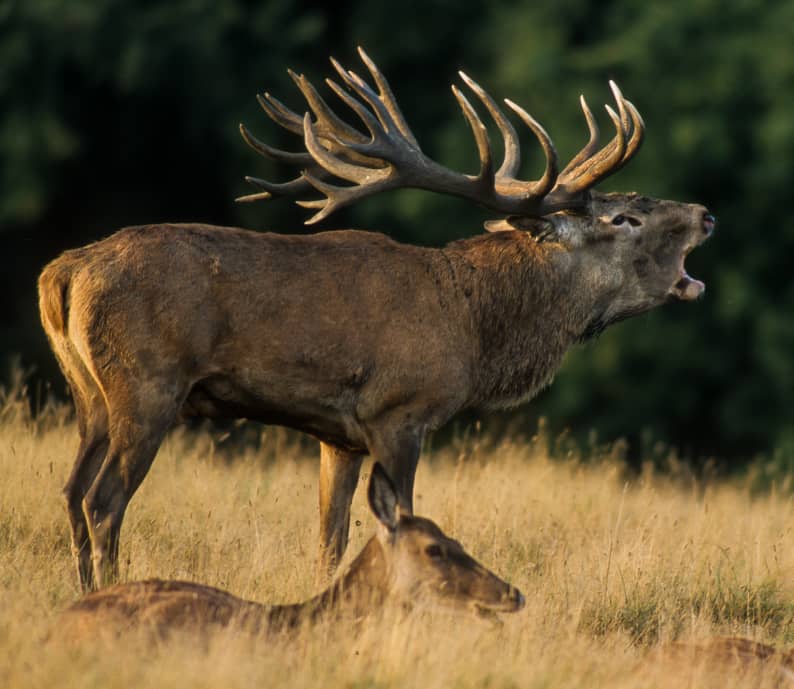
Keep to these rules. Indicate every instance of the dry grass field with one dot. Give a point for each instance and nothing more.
(612, 566)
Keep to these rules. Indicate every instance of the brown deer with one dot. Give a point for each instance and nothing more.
(722, 656)
(409, 562)
(364, 343)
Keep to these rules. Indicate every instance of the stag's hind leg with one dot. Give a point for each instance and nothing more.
(93, 447)
(339, 472)
(139, 420)
(92, 423)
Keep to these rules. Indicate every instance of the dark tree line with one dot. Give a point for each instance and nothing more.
(117, 113)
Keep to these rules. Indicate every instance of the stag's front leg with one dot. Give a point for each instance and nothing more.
(339, 472)
(397, 448)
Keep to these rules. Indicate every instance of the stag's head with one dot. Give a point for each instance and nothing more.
(628, 248)
(428, 567)
(649, 240)
(636, 246)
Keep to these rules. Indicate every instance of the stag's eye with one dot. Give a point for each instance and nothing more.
(434, 552)
(622, 219)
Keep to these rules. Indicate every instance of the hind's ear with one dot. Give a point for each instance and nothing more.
(383, 499)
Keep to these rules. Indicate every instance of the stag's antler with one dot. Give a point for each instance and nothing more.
(389, 157)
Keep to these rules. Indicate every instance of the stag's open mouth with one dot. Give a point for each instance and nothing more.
(687, 288)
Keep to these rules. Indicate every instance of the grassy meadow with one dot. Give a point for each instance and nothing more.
(612, 565)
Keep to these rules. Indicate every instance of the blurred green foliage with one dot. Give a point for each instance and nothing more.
(117, 112)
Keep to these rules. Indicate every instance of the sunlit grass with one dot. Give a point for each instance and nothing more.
(612, 565)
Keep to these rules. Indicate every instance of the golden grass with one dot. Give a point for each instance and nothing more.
(611, 567)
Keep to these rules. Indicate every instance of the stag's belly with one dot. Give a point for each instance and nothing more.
(224, 397)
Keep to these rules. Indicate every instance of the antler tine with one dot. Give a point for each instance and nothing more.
(329, 123)
(328, 126)
(600, 165)
(287, 119)
(627, 126)
(248, 198)
(387, 97)
(621, 101)
(506, 175)
(637, 134)
(592, 145)
(337, 197)
(335, 133)
(298, 159)
(546, 183)
(370, 122)
(336, 166)
(512, 160)
(486, 174)
(280, 113)
(272, 189)
(325, 205)
(365, 92)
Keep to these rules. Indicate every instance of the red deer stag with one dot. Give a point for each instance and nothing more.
(365, 343)
(410, 561)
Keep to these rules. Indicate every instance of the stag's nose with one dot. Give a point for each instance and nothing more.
(709, 222)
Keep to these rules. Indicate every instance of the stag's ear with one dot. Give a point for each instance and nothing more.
(501, 225)
(539, 228)
(383, 499)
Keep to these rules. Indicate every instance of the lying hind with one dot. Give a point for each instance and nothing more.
(409, 561)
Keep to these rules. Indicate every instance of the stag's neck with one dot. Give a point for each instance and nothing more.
(527, 309)
(355, 594)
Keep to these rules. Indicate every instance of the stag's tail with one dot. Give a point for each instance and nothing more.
(54, 284)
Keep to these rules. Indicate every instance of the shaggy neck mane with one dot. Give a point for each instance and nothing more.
(526, 311)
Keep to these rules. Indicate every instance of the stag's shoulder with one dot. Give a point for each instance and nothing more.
(498, 250)
(494, 242)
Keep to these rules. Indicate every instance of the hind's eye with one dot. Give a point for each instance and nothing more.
(618, 219)
(434, 552)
